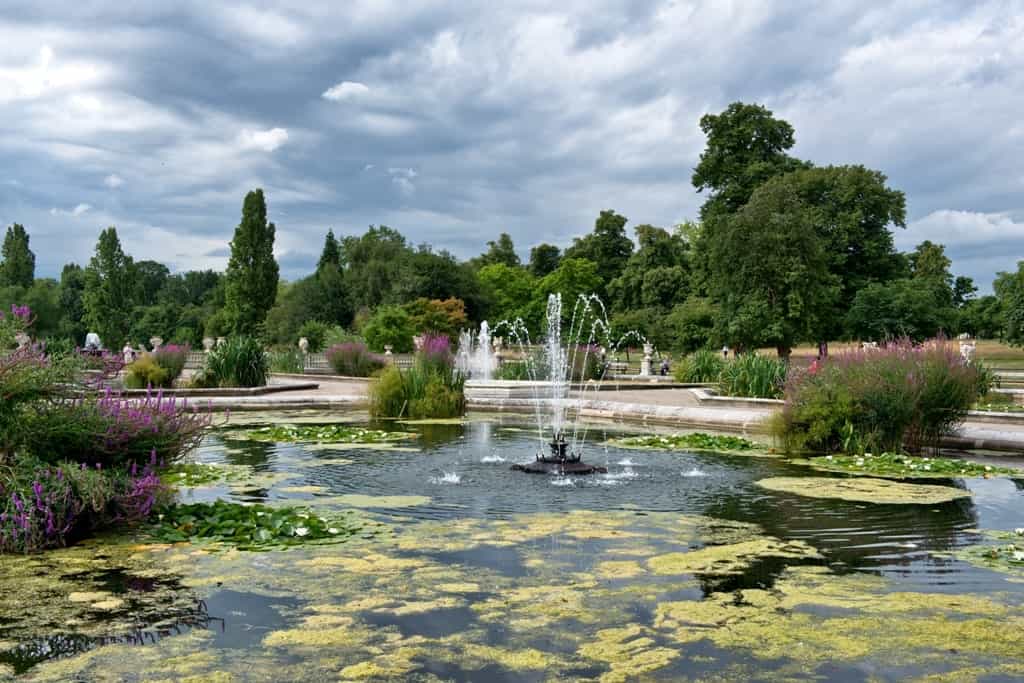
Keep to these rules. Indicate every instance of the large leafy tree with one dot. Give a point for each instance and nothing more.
(510, 291)
(17, 262)
(901, 308)
(150, 279)
(72, 291)
(746, 145)
(330, 256)
(770, 272)
(930, 267)
(252, 274)
(110, 288)
(607, 247)
(501, 250)
(333, 304)
(376, 264)
(544, 258)
(1009, 287)
(656, 275)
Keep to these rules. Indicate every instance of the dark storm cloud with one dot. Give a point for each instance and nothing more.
(452, 122)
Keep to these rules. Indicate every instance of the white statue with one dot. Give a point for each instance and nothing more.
(128, 352)
(156, 342)
(92, 342)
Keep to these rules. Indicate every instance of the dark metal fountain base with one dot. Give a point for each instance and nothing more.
(559, 467)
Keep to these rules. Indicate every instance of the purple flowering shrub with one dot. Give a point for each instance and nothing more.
(431, 388)
(19, 319)
(354, 359)
(172, 359)
(114, 431)
(899, 397)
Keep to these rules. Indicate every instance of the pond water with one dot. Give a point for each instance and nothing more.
(674, 565)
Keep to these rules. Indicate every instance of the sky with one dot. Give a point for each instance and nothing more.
(454, 121)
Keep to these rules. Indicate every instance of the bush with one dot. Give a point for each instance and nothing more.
(238, 362)
(389, 326)
(353, 359)
(903, 396)
(286, 360)
(586, 363)
(702, 366)
(339, 335)
(145, 372)
(315, 333)
(753, 376)
(431, 388)
(172, 359)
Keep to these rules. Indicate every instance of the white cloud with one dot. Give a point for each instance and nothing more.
(346, 90)
(964, 227)
(264, 140)
(45, 75)
(113, 181)
(79, 210)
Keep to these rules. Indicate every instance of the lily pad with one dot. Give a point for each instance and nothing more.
(906, 467)
(694, 441)
(864, 490)
(333, 433)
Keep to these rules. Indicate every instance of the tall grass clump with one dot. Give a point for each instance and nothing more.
(158, 369)
(753, 376)
(701, 366)
(354, 359)
(286, 360)
(238, 362)
(431, 388)
(899, 397)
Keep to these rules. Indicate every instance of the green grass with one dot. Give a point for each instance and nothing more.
(893, 465)
(325, 434)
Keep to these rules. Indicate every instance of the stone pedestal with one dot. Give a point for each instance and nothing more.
(645, 364)
(155, 342)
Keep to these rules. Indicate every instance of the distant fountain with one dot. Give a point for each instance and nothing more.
(475, 357)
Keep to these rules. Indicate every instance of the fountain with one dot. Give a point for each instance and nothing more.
(475, 358)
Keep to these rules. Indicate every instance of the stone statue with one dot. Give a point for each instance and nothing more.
(92, 342)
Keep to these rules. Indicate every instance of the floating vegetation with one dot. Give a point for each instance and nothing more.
(332, 433)
(864, 490)
(193, 474)
(906, 466)
(1004, 553)
(731, 558)
(358, 500)
(695, 441)
(254, 527)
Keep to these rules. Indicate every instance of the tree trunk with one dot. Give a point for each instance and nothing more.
(784, 352)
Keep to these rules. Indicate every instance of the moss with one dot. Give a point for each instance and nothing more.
(865, 490)
(733, 558)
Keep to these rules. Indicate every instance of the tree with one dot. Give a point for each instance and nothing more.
(500, 251)
(573, 277)
(929, 265)
(330, 257)
(375, 264)
(770, 272)
(964, 290)
(446, 317)
(72, 290)
(1009, 287)
(18, 263)
(108, 296)
(252, 273)
(608, 247)
(544, 258)
(510, 291)
(746, 145)
(655, 276)
(150, 278)
(983, 318)
(389, 326)
(902, 308)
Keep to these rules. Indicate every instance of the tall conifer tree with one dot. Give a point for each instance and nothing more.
(250, 282)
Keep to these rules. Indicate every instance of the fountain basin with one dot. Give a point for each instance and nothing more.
(499, 389)
(559, 467)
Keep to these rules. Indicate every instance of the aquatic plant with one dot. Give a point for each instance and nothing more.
(146, 373)
(286, 360)
(431, 388)
(238, 362)
(901, 466)
(753, 376)
(702, 366)
(254, 527)
(864, 490)
(354, 359)
(325, 434)
(694, 441)
(902, 397)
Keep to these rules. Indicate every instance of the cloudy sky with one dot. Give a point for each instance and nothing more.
(453, 121)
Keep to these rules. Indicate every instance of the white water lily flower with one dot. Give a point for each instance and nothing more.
(860, 462)
(301, 531)
(1019, 531)
(333, 530)
(927, 467)
(828, 457)
(1018, 555)
(260, 514)
(988, 468)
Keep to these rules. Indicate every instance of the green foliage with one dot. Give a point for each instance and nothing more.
(331, 433)
(574, 276)
(254, 527)
(656, 276)
(510, 291)
(289, 360)
(72, 303)
(513, 370)
(390, 326)
(432, 316)
(753, 376)
(388, 397)
(28, 377)
(691, 324)
(315, 333)
(704, 365)
(770, 271)
(353, 359)
(1009, 288)
(544, 258)
(901, 308)
(150, 279)
(238, 362)
(879, 401)
(983, 318)
(608, 247)
(330, 256)
(17, 262)
(109, 293)
(251, 277)
(502, 251)
(431, 388)
(145, 372)
(899, 466)
(694, 441)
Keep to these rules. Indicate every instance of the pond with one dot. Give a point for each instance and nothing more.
(674, 565)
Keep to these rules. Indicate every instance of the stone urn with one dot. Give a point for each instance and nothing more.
(417, 342)
(208, 343)
(387, 349)
(303, 345)
(645, 364)
(155, 342)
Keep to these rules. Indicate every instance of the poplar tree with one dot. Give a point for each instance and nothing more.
(109, 291)
(250, 282)
(18, 264)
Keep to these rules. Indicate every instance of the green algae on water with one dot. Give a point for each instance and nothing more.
(896, 466)
(865, 490)
(693, 441)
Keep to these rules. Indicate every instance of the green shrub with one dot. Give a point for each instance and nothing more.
(315, 333)
(903, 396)
(704, 365)
(145, 372)
(388, 395)
(286, 360)
(339, 335)
(353, 359)
(431, 388)
(753, 376)
(389, 326)
(238, 362)
(514, 370)
(171, 358)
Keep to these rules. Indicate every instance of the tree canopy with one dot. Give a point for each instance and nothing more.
(17, 262)
(251, 277)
